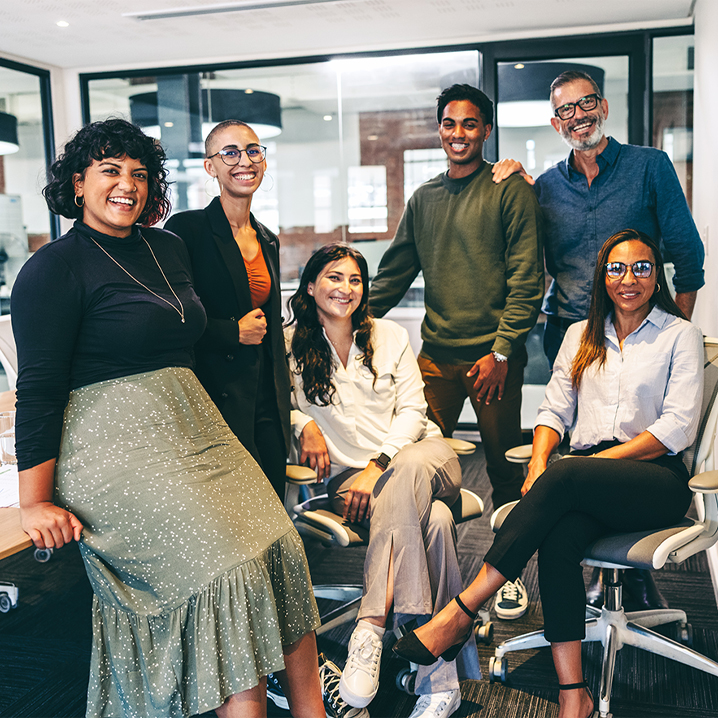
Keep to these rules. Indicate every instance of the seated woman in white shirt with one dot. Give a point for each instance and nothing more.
(628, 383)
(361, 422)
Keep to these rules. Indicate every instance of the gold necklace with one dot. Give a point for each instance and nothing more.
(179, 311)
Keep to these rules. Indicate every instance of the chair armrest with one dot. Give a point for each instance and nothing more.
(705, 483)
(519, 454)
(460, 447)
(300, 475)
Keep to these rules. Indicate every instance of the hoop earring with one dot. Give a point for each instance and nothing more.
(208, 192)
(79, 205)
(658, 288)
(266, 174)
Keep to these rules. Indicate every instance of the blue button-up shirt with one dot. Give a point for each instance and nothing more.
(636, 188)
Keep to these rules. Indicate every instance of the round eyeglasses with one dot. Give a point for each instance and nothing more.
(640, 270)
(231, 156)
(568, 110)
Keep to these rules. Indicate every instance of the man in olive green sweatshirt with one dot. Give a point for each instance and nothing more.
(480, 248)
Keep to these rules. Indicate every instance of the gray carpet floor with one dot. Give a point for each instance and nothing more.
(45, 642)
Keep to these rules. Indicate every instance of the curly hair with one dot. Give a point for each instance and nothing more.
(593, 340)
(310, 347)
(96, 141)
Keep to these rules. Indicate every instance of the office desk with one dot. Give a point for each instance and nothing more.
(12, 537)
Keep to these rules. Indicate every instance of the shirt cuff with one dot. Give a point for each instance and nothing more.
(550, 420)
(299, 420)
(670, 435)
(502, 346)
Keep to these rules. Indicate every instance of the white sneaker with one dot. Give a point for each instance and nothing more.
(437, 705)
(360, 679)
(511, 601)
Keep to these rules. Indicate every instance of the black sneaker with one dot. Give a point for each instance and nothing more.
(334, 705)
(275, 693)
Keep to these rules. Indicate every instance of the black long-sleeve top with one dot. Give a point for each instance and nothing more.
(78, 319)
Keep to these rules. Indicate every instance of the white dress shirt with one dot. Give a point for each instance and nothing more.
(367, 418)
(654, 384)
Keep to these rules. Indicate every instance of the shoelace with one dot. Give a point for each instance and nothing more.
(511, 592)
(366, 654)
(425, 701)
(330, 676)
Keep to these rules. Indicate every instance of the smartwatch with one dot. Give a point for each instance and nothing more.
(382, 461)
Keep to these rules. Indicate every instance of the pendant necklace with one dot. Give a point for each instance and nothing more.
(179, 311)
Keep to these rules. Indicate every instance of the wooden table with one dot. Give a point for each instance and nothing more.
(12, 537)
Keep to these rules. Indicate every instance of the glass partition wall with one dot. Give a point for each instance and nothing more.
(25, 223)
(346, 139)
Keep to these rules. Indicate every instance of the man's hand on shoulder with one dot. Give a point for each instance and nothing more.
(490, 377)
(503, 169)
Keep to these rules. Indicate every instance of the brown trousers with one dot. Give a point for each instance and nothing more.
(446, 387)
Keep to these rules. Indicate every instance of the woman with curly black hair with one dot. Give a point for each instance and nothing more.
(361, 423)
(200, 580)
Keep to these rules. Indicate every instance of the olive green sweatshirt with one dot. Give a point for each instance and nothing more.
(480, 248)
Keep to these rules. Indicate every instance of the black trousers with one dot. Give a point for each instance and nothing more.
(267, 444)
(574, 502)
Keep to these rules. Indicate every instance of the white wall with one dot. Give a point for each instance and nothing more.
(705, 157)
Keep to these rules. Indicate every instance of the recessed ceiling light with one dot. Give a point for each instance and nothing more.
(248, 91)
(327, 118)
(63, 23)
(373, 138)
(519, 66)
(169, 124)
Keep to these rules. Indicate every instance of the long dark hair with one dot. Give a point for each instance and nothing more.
(310, 347)
(593, 340)
(96, 141)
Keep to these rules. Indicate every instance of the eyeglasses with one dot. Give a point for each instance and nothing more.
(231, 157)
(567, 111)
(640, 270)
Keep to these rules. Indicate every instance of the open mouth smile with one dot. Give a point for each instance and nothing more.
(122, 200)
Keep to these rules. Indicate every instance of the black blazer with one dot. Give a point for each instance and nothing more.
(228, 370)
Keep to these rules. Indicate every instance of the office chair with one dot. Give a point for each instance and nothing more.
(611, 625)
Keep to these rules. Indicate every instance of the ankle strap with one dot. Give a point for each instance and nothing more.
(572, 686)
(465, 609)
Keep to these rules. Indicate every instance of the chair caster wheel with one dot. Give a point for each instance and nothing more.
(43, 555)
(406, 680)
(498, 670)
(484, 633)
(685, 634)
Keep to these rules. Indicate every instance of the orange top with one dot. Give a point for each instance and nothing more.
(260, 283)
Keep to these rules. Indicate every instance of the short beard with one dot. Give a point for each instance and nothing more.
(591, 142)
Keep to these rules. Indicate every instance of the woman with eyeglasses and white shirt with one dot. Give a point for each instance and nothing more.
(235, 262)
(628, 384)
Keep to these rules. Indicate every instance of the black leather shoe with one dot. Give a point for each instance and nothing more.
(640, 590)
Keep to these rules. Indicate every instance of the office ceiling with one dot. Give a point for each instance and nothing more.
(100, 35)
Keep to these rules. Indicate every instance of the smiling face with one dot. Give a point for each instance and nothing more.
(583, 131)
(337, 290)
(631, 296)
(244, 178)
(463, 133)
(115, 191)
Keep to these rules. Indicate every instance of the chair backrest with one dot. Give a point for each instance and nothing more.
(8, 351)
(700, 456)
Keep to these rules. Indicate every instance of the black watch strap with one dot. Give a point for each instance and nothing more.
(382, 461)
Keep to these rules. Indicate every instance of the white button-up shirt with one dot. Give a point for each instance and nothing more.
(367, 418)
(655, 384)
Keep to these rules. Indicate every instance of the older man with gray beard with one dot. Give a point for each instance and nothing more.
(601, 188)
